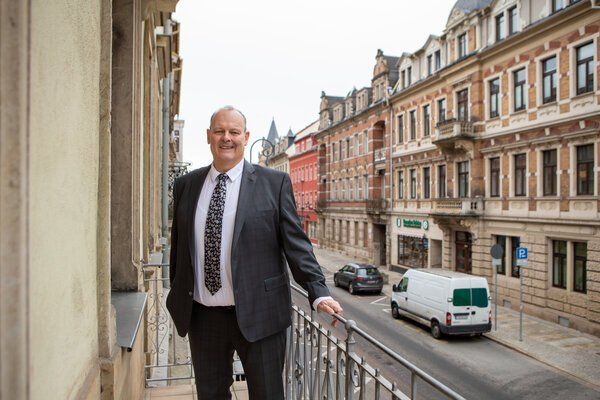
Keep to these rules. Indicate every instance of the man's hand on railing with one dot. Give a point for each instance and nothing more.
(330, 306)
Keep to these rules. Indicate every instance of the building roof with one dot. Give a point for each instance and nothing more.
(273, 136)
(308, 130)
(466, 6)
(290, 133)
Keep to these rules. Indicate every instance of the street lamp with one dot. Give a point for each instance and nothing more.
(266, 151)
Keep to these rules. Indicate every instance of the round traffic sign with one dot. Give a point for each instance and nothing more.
(497, 251)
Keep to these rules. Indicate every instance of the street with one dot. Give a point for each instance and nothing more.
(475, 367)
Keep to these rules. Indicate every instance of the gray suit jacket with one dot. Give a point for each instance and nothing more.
(267, 232)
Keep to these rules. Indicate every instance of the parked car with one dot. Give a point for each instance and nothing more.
(359, 278)
(449, 302)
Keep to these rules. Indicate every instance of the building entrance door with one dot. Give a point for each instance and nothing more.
(463, 245)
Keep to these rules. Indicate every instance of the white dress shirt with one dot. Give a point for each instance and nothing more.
(224, 296)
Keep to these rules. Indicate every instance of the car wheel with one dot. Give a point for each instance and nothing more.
(351, 288)
(436, 332)
(395, 312)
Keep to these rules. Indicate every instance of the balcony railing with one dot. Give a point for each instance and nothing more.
(321, 366)
(379, 155)
(376, 205)
(453, 129)
(467, 207)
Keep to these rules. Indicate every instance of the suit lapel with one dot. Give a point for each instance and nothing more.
(244, 200)
(195, 189)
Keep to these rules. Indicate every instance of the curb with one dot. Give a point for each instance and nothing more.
(530, 355)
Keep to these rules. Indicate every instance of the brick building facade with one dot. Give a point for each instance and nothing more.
(488, 134)
(303, 172)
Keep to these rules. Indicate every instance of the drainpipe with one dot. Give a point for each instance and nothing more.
(165, 167)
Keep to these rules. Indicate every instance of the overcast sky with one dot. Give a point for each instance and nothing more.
(272, 58)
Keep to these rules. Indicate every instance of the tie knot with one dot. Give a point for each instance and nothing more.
(222, 178)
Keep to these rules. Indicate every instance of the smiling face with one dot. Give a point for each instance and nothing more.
(227, 138)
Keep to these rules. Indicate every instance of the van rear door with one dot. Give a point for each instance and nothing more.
(461, 302)
(480, 307)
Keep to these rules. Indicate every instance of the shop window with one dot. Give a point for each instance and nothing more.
(413, 251)
(501, 240)
(515, 243)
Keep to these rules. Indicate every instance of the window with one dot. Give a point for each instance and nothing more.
(495, 177)
(341, 151)
(441, 110)
(365, 142)
(413, 125)
(585, 169)
(413, 184)
(400, 184)
(556, 5)
(463, 179)
(494, 97)
(356, 144)
(403, 283)
(515, 243)
(441, 182)
(519, 89)
(339, 187)
(412, 252)
(400, 128)
(580, 266)
(462, 102)
(500, 27)
(347, 147)
(520, 174)
(365, 187)
(585, 68)
(477, 297)
(549, 80)
(426, 183)
(462, 45)
(559, 264)
(549, 172)
(438, 59)
(501, 240)
(513, 21)
(429, 65)
(403, 78)
(355, 188)
(409, 75)
(426, 121)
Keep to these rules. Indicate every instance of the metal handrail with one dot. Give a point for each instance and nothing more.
(310, 384)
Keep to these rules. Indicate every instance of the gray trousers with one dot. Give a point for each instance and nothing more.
(214, 335)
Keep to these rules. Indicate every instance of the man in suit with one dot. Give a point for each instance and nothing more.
(234, 227)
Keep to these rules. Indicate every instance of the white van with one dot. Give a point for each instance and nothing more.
(449, 302)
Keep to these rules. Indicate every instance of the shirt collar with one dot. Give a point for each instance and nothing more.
(232, 174)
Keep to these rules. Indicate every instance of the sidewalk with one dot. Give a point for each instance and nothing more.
(571, 351)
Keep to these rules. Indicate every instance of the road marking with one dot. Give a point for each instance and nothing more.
(387, 310)
(378, 300)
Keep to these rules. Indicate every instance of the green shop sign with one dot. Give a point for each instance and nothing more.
(413, 223)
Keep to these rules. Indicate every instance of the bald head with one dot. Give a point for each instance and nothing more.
(225, 109)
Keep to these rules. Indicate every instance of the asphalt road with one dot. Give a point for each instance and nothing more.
(475, 367)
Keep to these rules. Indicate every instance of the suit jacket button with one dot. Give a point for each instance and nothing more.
(190, 293)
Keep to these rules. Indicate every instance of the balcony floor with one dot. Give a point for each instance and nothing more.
(239, 391)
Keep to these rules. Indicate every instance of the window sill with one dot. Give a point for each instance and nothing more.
(553, 103)
(519, 112)
(494, 119)
(129, 311)
(583, 197)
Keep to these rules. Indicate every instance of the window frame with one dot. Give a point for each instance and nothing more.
(463, 179)
(500, 22)
(459, 100)
(519, 190)
(494, 97)
(413, 183)
(583, 288)
(590, 172)
(426, 115)
(549, 173)
(441, 182)
(519, 86)
(441, 112)
(512, 19)
(495, 183)
(426, 182)
(589, 68)
(400, 119)
(413, 124)
(400, 184)
(462, 46)
(553, 75)
(559, 280)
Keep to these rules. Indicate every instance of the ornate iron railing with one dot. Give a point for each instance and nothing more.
(321, 366)
(176, 169)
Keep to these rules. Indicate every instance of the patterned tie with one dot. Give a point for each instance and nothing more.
(212, 236)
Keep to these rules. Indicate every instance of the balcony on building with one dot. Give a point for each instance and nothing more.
(456, 211)
(454, 136)
(379, 158)
(376, 206)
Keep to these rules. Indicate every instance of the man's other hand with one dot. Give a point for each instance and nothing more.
(331, 307)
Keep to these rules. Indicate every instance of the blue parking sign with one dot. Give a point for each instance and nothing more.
(521, 253)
